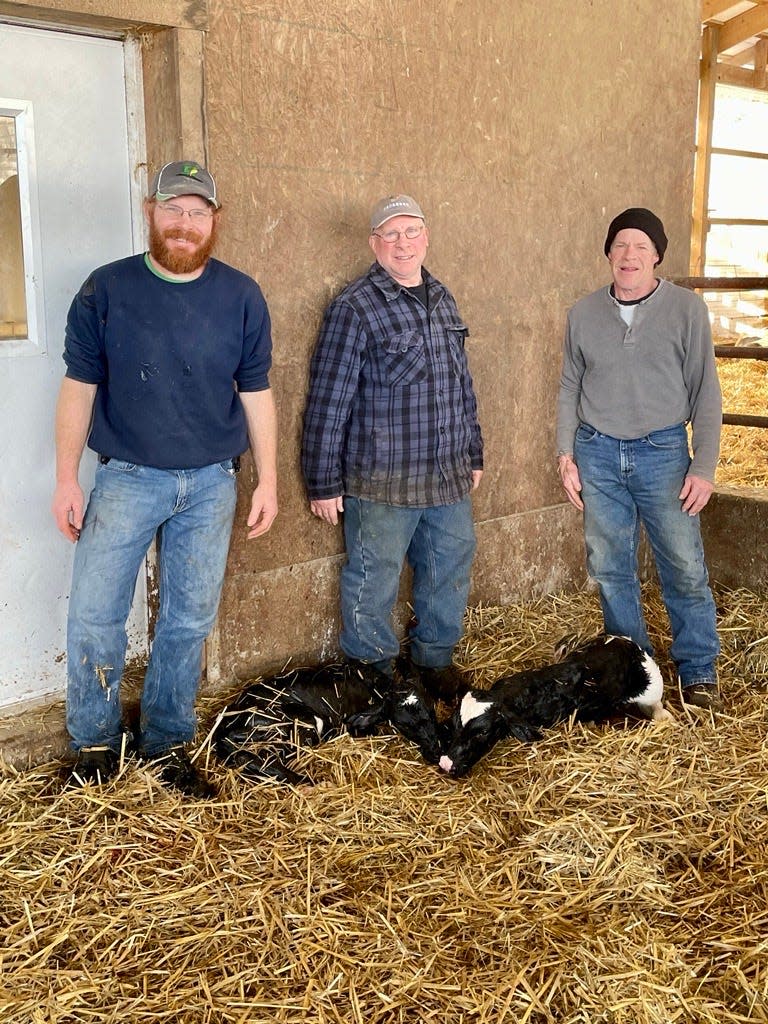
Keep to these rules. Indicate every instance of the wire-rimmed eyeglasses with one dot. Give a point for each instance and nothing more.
(173, 212)
(392, 236)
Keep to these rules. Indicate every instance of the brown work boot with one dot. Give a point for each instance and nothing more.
(703, 695)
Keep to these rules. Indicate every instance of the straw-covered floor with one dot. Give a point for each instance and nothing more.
(604, 874)
(744, 450)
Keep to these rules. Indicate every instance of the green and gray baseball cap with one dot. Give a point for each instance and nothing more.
(184, 178)
(394, 206)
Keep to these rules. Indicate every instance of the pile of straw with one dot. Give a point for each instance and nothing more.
(614, 874)
(744, 450)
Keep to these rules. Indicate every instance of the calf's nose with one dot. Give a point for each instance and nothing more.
(445, 763)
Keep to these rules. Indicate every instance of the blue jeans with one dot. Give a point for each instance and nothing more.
(439, 544)
(625, 483)
(191, 511)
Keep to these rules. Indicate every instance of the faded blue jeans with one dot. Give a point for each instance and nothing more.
(191, 511)
(439, 543)
(625, 483)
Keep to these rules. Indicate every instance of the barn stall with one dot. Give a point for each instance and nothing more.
(613, 874)
(602, 874)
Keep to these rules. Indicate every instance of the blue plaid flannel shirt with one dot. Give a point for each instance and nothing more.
(391, 414)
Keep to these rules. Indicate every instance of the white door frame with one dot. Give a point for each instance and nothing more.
(137, 164)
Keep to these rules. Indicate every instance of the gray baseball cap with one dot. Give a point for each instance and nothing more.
(184, 178)
(394, 206)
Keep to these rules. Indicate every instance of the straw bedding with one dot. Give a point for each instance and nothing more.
(744, 450)
(613, 874)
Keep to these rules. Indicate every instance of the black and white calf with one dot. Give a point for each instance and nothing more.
(260, 731)
(608, 676)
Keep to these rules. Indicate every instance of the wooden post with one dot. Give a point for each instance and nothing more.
(707, 80)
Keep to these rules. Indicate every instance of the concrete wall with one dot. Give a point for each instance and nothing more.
(522, 128)
(734, 528)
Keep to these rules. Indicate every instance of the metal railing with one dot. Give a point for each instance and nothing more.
(733, 284)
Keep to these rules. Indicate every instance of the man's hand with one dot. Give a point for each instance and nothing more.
(570, 479)
(327, 509)
(68, 507)
(695, 494)
(263, 510)
(477, 476)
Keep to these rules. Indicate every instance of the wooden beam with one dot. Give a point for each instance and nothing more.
(116, 15)
(761, 63)
(740, 58)
(714, 8)
(750, 154)
(723, 284)
(736, 30)
(741, 222)
(707, 79)
(745, 77)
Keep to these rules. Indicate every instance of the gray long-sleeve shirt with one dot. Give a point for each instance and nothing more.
(629, 381)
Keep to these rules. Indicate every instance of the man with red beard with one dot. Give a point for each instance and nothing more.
(168, 356)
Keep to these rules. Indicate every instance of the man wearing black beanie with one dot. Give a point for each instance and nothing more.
(642, 220)
(638, 368)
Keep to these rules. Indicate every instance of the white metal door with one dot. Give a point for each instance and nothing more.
(64, 98)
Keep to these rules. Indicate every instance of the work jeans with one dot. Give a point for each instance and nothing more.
(439, 543)
(191, 512)
(625, 483)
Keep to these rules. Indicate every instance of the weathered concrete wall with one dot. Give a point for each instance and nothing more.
(735, 531)
(522, 129)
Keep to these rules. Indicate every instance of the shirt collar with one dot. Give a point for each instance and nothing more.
(389, 287)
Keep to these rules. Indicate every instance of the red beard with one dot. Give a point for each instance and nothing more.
(180, 262)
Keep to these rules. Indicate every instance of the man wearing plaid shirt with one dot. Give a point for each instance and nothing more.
(392, 440)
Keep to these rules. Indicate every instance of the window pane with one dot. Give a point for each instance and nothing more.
(738, 188)
(740, 119)
(740, 250)
(13, 308)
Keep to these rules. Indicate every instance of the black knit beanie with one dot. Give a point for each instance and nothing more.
(643, 220)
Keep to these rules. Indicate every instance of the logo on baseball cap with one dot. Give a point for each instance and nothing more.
(184, 178)
(394, 206)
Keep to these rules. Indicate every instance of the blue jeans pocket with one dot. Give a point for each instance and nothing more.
(585, 433)
(670, 438)
(117, 466)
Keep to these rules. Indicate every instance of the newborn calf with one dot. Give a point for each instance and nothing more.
(259, 732)
(609, 675)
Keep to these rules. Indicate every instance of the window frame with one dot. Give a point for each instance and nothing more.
(35, 340)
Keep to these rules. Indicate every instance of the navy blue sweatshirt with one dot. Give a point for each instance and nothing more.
(169, 359)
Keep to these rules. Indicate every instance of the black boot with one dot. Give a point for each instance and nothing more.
(448, 684)
(94, 764)
(176, 770)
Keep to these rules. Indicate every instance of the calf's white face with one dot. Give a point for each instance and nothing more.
(477, 725)
(471, 707)
(652, 694)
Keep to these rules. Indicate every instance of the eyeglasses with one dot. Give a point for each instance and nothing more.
(390, 237)
(173, 212)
